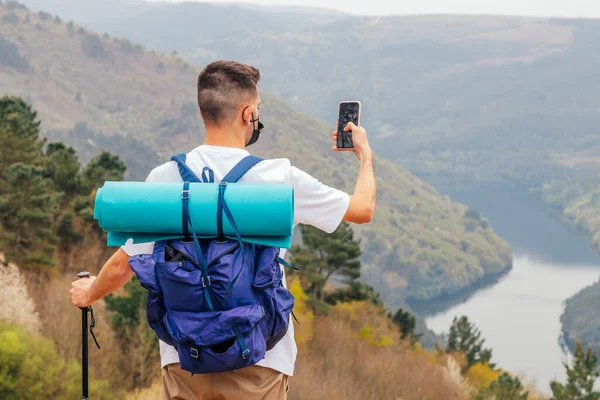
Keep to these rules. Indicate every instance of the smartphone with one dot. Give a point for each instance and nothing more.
(349, 111)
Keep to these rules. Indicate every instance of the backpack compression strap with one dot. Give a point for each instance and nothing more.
(188, 175)
(203, 268)
(232, 177)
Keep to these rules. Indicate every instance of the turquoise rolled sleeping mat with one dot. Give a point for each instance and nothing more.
(152, 211)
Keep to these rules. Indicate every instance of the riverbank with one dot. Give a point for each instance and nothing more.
(443, 303)
(518, 311)
(519, 317)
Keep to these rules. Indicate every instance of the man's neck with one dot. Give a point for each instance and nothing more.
(223, 137)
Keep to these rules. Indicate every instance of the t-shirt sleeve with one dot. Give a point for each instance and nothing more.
(133, 249)
(315, 203)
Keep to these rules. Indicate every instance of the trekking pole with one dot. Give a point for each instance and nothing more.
(84, 341)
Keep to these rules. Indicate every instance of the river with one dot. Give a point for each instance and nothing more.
(519, 315)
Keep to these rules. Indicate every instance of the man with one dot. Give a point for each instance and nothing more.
(229, 104)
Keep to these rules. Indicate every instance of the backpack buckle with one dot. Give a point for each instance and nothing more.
(204, 284)
(222, 183)
(245, 354)
(185, 194)
(194, 352)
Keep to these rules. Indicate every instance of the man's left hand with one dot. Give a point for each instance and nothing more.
(80, 290)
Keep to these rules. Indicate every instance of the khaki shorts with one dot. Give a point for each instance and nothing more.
(251, 383)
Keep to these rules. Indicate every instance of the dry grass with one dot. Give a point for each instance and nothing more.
(340, 362)
(154, 392)
(61, 322)
(339, 365)
(141, 361)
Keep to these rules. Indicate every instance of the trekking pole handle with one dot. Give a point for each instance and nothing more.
(83, 274)
(86, 274)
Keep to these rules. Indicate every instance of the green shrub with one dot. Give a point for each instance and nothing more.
(30, 368)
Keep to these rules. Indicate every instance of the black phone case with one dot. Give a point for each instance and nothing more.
(344, 139)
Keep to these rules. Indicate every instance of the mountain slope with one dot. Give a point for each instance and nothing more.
(420, 245)
(459, 100)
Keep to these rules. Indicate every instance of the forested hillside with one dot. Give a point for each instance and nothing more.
(580, 320)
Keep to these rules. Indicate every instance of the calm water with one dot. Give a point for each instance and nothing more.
(519, 316)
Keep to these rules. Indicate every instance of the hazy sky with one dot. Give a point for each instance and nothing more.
(564, 8)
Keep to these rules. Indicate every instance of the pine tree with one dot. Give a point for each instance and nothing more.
(465, 337)
(355, 291)
(505, 388)
(324, 255)
(126, 309)
(27, 201)
(406, 322)
(27, 208)
(104, 167)
(19, 133)
(62, 167)
(65, 231)
(581, 377)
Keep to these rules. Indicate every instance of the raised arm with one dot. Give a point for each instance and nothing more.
(362, 202)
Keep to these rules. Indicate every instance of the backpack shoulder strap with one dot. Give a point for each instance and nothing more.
(186, 173)
(241, 168)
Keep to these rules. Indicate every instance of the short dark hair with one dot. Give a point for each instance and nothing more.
(222, 87)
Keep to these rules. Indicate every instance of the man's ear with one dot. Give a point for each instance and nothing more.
(247, 113)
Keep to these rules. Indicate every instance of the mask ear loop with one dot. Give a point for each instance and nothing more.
(254, 128)
(253, 120)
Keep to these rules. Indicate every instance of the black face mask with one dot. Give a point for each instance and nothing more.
(255, 131)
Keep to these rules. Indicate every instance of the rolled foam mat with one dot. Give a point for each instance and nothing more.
(152, 211)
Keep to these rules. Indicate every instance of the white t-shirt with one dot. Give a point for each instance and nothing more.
(314, 204)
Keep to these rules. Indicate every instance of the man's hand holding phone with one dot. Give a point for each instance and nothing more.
(362, 203)
(359, 139)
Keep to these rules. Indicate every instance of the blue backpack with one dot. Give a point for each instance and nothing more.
(221, 303)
